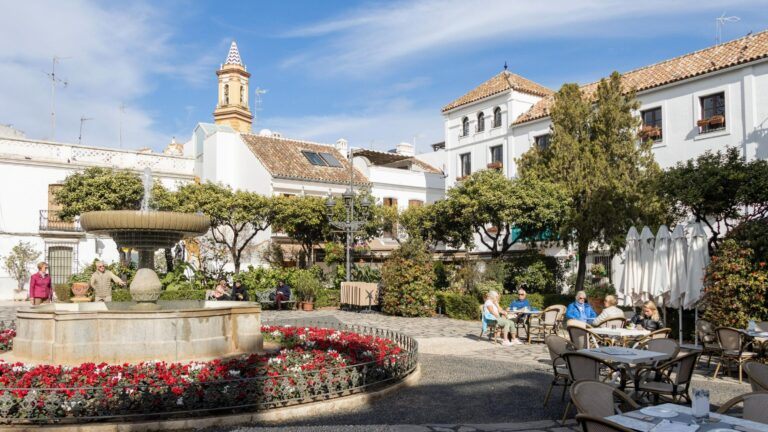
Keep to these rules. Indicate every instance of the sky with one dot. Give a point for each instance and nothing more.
(374, 72)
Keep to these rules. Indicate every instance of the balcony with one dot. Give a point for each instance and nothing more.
(50, 221)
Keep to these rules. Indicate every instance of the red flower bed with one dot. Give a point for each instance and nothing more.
(6, 339)
(312, 362)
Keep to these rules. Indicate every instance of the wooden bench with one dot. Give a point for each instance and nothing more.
(264, 300)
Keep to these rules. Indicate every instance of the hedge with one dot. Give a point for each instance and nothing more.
(458, 306)
(123, 295)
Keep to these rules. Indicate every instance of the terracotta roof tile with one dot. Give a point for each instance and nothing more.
(718, 57)
(500, 83)
(283, 159)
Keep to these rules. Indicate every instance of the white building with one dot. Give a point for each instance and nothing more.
(724, 86)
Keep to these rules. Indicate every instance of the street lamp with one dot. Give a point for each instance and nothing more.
(349, 225)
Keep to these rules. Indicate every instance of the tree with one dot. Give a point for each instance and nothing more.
(236, 216)
(19, 262)
(504, 212)
(99, 189)
(408, 281)
(304, 219)
(595, 156)
(719, 189)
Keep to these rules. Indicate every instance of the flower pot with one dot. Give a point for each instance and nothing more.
(307, 306)
(495, 165)
(716, 120)
(703, 122)
(79, 289)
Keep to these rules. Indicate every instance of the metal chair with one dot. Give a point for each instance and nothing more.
(757, 373)
(732, 344)
(549, 321)
(617, 322)
(585, 367)
(597, 424)
(658, 334)
(583, 338)
(706, 333)
(754, 406)
(599, 399)
(672, 378)
(557, 346)
(666, 346)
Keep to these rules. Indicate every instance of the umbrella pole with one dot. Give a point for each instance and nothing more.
(695, 319)
(680, 322)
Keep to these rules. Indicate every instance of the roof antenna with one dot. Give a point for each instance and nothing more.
(257, 103)
(505, 65)
(54, 81)
(83, 119)
(720, 22)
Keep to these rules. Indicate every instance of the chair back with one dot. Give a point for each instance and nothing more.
(557, 346)
(593, 398)
(579, 336)
(705, 331)
(617, 322)
(550, 315)
(762, 326)
(666, 346)
(597, 424)
(684, 365)
(754, 405)
(729, 338)
(583, 366)
(660, 333)
(758, 375)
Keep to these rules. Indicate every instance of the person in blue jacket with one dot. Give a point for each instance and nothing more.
(580, 309)
(521, 302)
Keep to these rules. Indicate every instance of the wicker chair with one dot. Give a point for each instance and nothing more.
(671, 379)
(658, 334)
(706, 333)
(617, 322)
(666, 346)
(558, 346)
(597, 424)
(585, 367)
(757, 373)
(754, 406)
(599, 399)
(732, 344)
(583, 338)
(548, 323)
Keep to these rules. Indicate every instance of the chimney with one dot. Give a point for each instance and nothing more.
(342, 146)
(405, 149)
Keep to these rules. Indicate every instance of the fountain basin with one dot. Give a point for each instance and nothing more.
(74, 333)
(145, 229)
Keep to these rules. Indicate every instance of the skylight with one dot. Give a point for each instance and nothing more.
(331, 160)
(322, 159)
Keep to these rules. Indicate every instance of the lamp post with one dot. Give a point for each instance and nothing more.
(349, 225)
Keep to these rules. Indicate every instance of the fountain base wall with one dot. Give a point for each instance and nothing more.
(70, 334)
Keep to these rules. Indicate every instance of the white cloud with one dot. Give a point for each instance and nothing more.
(110, 56)
(381, 37)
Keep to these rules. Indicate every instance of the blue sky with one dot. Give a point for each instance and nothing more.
(374, 72)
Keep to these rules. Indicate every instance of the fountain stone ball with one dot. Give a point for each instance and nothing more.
(145, 231)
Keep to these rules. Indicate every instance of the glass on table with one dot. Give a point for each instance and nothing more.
(700, 405)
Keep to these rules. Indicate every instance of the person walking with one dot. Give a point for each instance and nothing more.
(40, 290)
(101, 282)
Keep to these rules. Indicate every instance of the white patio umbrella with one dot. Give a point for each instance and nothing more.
(677, 273)
(630, 278)
(660, 279)
(698, 259)
(646, 264)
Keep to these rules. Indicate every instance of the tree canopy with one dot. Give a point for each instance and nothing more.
(98, 189)
(19, 263)
(595, 155)
(304, 219)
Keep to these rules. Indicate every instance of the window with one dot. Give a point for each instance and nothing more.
(60, 264)
(465, 164)
(321, 159)
(542, 141)
(465, 126)
(480, 122)
(496, 117)
(415, 203)
(497, 153)
(712, 112)
(330, 160)
(390, 202)
(226, 94)
(651, 128)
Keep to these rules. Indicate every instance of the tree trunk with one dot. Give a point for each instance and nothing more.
(168, 260)
(582, 268)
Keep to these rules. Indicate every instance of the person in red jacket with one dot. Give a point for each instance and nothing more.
(40, 290)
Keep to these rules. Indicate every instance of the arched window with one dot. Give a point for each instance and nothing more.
(226, 94)
(480, 121)
(242, 94)
(496, 117)
(465, 126)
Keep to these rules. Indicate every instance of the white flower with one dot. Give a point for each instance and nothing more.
(180, 400)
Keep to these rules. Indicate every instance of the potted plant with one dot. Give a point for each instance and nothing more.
(703, 122)
(717, 120)
(649, 132)
(495, 165)
(306, 287)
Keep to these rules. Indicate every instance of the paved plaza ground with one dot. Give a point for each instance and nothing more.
(467, 383)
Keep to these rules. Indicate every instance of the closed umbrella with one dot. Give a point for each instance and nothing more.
(677, 273)
(660, 280)
(630, 279)
(646, 264)
(698, 259)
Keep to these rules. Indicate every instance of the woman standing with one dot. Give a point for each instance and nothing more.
(40, 290)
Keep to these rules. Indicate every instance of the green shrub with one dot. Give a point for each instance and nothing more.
(409, 281)
(458, 306)
(557, 299)
(736, 288)
(126, 273)
(121, 295)
(482, 289)
(441, 275)
(183, 295)
(753, 234)
(534, 272)
(306, 285)
(63, 292)
(328, 297)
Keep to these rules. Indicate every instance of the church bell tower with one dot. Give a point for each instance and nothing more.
(232, 108)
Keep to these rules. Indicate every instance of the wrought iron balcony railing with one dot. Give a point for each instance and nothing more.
(50, 221)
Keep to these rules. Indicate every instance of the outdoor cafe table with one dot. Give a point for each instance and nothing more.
(528, 316)
(620, 333)
(644, 420)
(628, 356)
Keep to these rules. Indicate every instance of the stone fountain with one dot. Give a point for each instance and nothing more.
(145, 329)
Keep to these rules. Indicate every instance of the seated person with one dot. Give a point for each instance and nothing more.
(580, 309)
(521, 304)
(649, 318)
(610, 311)
(239, 292)
(492, 312)
(282, 293)
(221, 292)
